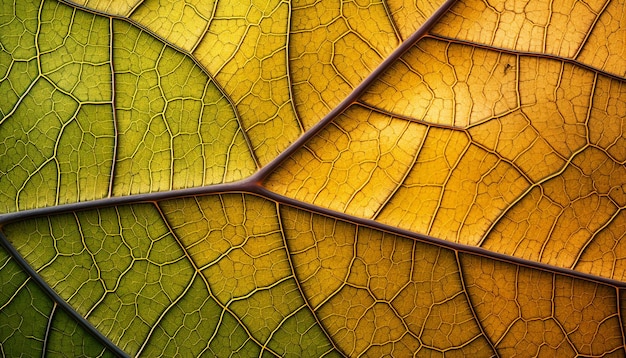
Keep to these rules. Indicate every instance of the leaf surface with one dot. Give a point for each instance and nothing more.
(270, 178)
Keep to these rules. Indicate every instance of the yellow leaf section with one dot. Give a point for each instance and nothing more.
(555, 122)
(591, 32)
(333, 46)
(176, 128)
(559, 221)
(353, 165)
(245, 49)
(409, 15)
(606, 46)
(181, 23)
(605, 255)
(462, 184)
(447, 84)
(379, 294)
(118, 267)
(236, 242)
(416, 202)
(321, 249)
(537, 313)
(539, 140)
(456, 183)
(515, 138)
(559, 28)
(113, 7)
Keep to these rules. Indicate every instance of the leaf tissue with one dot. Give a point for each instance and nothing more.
(312, 178)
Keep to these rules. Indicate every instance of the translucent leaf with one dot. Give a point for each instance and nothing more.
(312, 178)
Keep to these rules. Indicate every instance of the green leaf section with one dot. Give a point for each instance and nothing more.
(57, 137)
(18, 53)
(217, 283)
(93, 107)
(68, 339)
(116, 267)
(73, 48)
(30, 320)
(177, 129)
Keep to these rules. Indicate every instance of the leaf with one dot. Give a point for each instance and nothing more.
(312, 178)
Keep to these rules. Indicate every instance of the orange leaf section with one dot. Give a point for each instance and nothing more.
(591, 32)
(519, 154)
(605, 47)
(381, 294)
(542, 314)
(353, 164)
(389, 295)
(448, 84)
(559, 221)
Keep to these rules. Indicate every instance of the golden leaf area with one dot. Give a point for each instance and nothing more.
(312, 178)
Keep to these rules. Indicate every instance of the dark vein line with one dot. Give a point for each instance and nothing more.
(250, 186)
(47, 333)
(590, 30)
(114, 110)
(288, 66)
(355, 94)
(529, 54)
(620, 318)
(473, 250)
(245, 185)
(596, 233)
(424, 122)
(307, 304)
(471, 304)
(58, 300)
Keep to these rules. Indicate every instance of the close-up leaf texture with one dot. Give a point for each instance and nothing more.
(309, 178)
